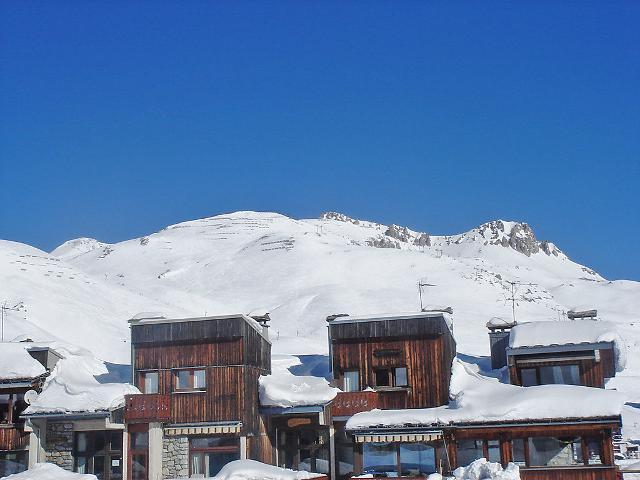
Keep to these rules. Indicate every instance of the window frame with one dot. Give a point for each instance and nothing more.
(190, 379)
(112, 448)
(392, 373)
(358, 387)
(437, 455)
(538, 373)
(202, 451)
(143, 381)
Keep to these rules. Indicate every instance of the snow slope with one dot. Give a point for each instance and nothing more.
(301, 271)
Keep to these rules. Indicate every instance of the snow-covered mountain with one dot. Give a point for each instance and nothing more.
(301, 271)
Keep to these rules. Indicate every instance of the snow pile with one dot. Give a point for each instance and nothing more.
(17, 363)
(72, 386)
(49, 471)
(536, 334)
(479, 399)
(284, 389)
(481, 469)
(252, 470)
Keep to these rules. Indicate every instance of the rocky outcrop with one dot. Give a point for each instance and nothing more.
(522, 239)
(382, 242)
(340, 217)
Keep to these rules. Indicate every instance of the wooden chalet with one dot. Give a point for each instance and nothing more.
(199, 407)
(14, 437)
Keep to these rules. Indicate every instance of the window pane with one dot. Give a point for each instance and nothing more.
(81, 464)
(401, 377)
(199, 379)
(116, 441)
(81, 442)
(468, 451)
(417, 459)
(595, 451)
(151, 382)
(351, 381)
(139, 440)
(517, 451)
(382, 378)
(13, 462)
(494, 451)
(139, 467)
(212, 442)
(529, 378)
(380, 458)
(182, 379)
(560, 374)
(197, 466)
(98, 467)
(215, 461)
(548, 451)
(98, 441)
(116, 466)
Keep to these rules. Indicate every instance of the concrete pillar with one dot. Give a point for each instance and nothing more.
(333, 463)
(155, 451)
(125, 453)
(243, 447)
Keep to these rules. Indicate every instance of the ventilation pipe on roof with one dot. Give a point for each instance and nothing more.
(263, 320)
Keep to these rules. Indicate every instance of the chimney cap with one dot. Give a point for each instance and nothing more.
(331, 318)
(499, 323)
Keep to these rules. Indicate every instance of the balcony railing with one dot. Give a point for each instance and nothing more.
(149, 407)
(349, 403)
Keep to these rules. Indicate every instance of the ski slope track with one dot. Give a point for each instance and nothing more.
(301, 271)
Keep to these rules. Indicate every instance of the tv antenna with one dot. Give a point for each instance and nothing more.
(513, 296)
(421, 285)
(4, 307)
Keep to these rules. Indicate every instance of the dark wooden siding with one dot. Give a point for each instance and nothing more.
(428, 361)
(13, 438)
(186, 331)
(401, 327)
(222, 352)
(608, 473)
(607, 357)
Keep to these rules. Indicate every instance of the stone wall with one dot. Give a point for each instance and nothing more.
(59, 444)
(175, 457)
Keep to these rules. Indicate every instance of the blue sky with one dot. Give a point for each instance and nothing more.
(122, 117)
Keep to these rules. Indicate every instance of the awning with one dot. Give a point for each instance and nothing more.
(202, 430)
(401, 437)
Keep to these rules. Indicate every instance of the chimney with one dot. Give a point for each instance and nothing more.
(46, 356)
(499, 330)
(263, 320)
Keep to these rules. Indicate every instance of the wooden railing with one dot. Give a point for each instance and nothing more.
(349, 403)
(13, 437)
(149, 407)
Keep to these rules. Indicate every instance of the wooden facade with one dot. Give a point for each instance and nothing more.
(424, 346)
(13, 437)
(231, 351)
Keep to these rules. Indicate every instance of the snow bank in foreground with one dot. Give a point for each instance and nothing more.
(72, 386)
(479, 399)
(284, 389)
(252, 470)
(49, 471)
(536, 334)
(481, 469)
(16, 362)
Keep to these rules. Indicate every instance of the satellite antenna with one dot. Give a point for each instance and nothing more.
(30, 396)
(421, 285)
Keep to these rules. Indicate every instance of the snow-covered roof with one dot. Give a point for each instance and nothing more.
(480, 399)
(16, 363)
(387, 316)
(577, 332)
(72, 387)
(284, 389)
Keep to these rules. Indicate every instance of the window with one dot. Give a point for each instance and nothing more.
(399, 459)
(209, 454)
(517, 452)
(391, 377)
(351, 381)
(469, 450)
(493, 449)
(401, 377)
(594, 449)
(529, 377)
(188, 380)
(13, 462)
(551, 451)
(139, 451)
(550, 374)
(150, 382)
(99, 453)
(560, 374)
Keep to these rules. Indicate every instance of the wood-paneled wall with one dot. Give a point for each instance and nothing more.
(428, 360)
(221, 352)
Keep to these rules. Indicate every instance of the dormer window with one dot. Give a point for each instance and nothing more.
(190, 380)
(391, 377)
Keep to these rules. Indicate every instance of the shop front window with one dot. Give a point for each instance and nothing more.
(380, 459)
(209, 454)
(13, 462)
(417, 459)
(553, 452)
(469, 450)
(99, 453)
(411, 459)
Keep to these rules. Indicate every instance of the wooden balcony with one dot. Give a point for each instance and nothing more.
(147, 408)
(13, 437)
(349, 403)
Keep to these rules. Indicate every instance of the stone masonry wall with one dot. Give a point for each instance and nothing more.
(59, 444)
(175, 457)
